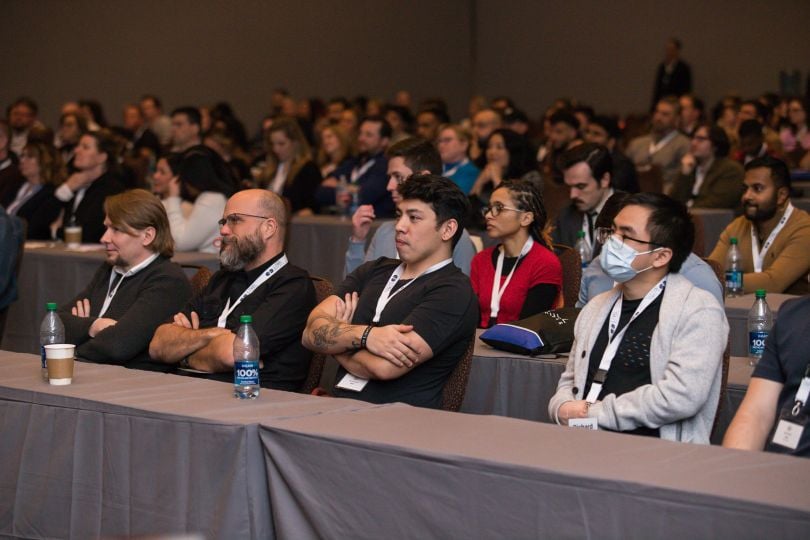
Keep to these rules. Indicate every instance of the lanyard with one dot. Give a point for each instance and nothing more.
(803, 392)
(357, 172)
(655, 147)
(759, 254)
(497, 288)
(278, 265)
(131, 272)
(450, 172)
(5, 164)
(614, 342)
(386, 294)
(587, 226)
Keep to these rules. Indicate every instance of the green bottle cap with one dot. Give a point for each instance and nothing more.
(580, 234)
(760, 293)
(245, 319)
(50, 306)
(733, 240)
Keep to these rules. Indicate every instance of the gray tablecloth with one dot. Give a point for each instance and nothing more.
(122, 452)
(53, 274)
(737, 309)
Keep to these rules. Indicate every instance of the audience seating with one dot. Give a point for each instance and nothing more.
(720, 273)
(571, 271)
(323, 289)
(456, 385)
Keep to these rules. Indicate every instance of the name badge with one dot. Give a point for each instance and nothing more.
(586, 423)
(352, 383)
(788, 433)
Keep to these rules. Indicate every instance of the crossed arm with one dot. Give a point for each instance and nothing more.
(391, 350)
(207, 349)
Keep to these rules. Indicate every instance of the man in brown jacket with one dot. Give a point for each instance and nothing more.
(773, 235)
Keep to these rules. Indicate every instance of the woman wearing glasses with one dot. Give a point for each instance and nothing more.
(520, 276)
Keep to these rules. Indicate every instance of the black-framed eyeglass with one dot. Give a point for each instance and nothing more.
(497, 208)
(236, 218)
(603, 233)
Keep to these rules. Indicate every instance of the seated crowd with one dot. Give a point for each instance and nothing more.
(648, 343)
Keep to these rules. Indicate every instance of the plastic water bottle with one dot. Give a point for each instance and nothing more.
(584, 250)
(734, 273)
(760, 321)
(246, 360)
(51, 331)
(342, 196)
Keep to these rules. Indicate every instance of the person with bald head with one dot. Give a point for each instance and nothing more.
(256, 279)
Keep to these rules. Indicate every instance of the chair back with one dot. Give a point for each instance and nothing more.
(456, 385)
(199, 279)
(651, 180)
(572, 273)
(323, 289)
(699, 247)
(555, 198)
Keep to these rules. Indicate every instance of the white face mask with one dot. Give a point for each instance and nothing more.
(617, 259)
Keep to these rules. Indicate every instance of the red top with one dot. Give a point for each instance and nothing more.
(540, 265)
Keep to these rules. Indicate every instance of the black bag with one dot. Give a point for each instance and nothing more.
(550, 332)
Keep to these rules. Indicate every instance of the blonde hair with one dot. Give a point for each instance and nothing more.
(51, 168)
(345, 146)
(137, 209)
(290, 128)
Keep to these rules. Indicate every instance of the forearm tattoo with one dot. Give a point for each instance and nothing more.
(327, 333)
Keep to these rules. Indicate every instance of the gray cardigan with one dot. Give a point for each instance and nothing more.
(685, 366)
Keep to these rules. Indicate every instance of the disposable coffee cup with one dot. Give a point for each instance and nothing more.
(73, 236)
(60, 359)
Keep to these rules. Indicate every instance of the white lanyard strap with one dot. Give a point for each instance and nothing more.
(497, 288)
(276, 266)
(112, 290)
(450, 172)
(357, 172)
(386, 294)
(759, 254)
(655, 147)
(614, 341)
(803, 393)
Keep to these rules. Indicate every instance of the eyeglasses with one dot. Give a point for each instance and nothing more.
(603, 233)
(497, 208)
(236, 218)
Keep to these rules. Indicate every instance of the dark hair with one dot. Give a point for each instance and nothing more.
(669, 225)
(510, 116)
(107, 143)
(609, 124)
(440, 114)
(527, 197)
(419, 155)
(24, 100)
(750, 128)
(697, 103)
(587, 110)
(672, 101)
(403, 112)
(612, 205)
(564, 117)
(174, 160)
(596, 156)
(444, 196)
(342, 100)
(780, 174)
(385, 127)
(96, 110)
(192, 113)
(717, 136)
(81, 121)
(5, 128)
(762, 110)
(509, 103)
(805, 103)
(521, 156)
(153, 98)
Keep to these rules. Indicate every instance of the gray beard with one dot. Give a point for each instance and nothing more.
(236, 252)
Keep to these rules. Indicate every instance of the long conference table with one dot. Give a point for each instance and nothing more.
(123, 453)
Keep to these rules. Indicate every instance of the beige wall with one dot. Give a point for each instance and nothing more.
(201, 51)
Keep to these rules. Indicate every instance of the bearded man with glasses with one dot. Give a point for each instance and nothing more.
(647, 355)
(256, 280)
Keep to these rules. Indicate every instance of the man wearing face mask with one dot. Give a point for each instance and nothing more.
(774, 237)
(647, 355)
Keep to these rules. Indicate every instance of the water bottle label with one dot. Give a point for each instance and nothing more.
(42, 354)
(246, 373)
(756, 343)
(734, 279)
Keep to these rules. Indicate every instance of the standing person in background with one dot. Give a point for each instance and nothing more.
(520, 276)
(674, 76)
(291, 171)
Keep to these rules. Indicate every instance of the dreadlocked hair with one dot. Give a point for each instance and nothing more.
(527, 197)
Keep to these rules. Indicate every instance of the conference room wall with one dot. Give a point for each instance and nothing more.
(606, 53)
(201, 51)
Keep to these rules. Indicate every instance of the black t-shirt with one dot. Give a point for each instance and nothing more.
(786, 356)
(443, 310)
(279, 306)
(631, 365)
